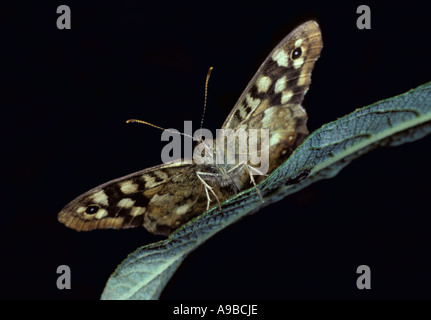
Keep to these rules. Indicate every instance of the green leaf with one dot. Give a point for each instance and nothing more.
(404, 118)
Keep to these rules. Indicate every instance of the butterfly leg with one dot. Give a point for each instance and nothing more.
(239, 168)
(255, 170)
(252, 179)
(208, 187)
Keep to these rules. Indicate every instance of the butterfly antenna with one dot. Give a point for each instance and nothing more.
(203, 113)
(157, 127)
(206, 95)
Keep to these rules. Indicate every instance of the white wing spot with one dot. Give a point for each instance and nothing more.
(263, 83)
(281, 58)
(182, 209)
(128, 187)
(100, 197)
(102, 213)
(280, 84)
(81, 209)
(275, 139)
(298, 63)
(253, 103)
(298, 43)
(149, 180)
(137, 211)
(285, 96)
(126, 203)
(243, 114)
(160, 200)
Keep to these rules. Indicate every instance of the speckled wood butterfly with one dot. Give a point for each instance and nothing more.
(164, 197)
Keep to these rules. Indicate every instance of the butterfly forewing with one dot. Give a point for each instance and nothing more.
(160, 198)
(283, 78)
(128, 201)
(272, 99)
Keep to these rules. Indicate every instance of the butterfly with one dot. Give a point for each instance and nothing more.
(164, 197)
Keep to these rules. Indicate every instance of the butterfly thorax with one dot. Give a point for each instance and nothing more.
(222, 169)
(227, 176)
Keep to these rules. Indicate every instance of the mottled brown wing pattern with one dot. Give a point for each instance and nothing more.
(288, 129)
(272, 99)
(283, 78)
(164, 197)
(160, 198)
(124, 202)
(179, 200)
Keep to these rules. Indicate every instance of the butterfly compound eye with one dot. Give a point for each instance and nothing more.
(296, 53)
(92, 209)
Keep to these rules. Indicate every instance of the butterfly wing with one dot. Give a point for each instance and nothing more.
(160, 198)
(272, 99)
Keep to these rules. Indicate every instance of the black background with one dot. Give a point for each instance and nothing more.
(67, 93)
